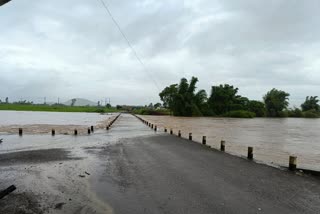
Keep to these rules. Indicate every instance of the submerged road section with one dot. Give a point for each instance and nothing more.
(132, 169)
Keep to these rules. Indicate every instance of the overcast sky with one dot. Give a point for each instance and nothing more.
(73, 49)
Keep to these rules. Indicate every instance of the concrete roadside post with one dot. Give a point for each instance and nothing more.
(250, 153)
(204, 140)
(292, 163)
(223, 145)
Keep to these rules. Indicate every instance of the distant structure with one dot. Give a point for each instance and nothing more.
(79, 102)
(73, 101)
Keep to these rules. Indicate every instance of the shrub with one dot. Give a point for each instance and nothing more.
(311, 114)
(296, 112)
(148, 111)
(283, 114)
(240, 114)
(99, 110)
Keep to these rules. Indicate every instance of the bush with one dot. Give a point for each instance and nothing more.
(296, 112)
(240, 114)
(311, 114)
(283, 114)
(148, 111)
(100, 110)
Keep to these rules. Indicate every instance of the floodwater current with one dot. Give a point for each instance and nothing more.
(44, 122)
(52, 118)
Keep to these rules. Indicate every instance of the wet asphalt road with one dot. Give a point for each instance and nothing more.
(132, 170)
(165, 174)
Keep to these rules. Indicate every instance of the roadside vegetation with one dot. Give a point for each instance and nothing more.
(184, 99)
(151, 111)
(55, 108)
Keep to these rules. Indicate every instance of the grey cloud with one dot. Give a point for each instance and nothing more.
(73, 49)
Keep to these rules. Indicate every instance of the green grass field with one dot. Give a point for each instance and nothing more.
(56, 108)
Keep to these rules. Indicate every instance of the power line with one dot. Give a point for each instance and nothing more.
(128, 42)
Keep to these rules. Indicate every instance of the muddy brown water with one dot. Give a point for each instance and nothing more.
(8, 118)
(44, 122)
(274, 140)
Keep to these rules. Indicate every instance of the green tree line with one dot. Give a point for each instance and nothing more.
(184, 99)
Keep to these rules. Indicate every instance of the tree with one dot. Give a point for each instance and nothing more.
(224, 98)
(201, 104)
(311, 103)
(157, 105)
(182, 99)
(182, 103)
(168, 95)
(257, 107)
(150, 106)
(276, 101)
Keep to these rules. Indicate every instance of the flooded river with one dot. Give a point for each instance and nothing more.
(53, 118)
(273, 139)
(43, 122)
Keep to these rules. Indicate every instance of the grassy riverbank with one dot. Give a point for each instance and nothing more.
(56, 108)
